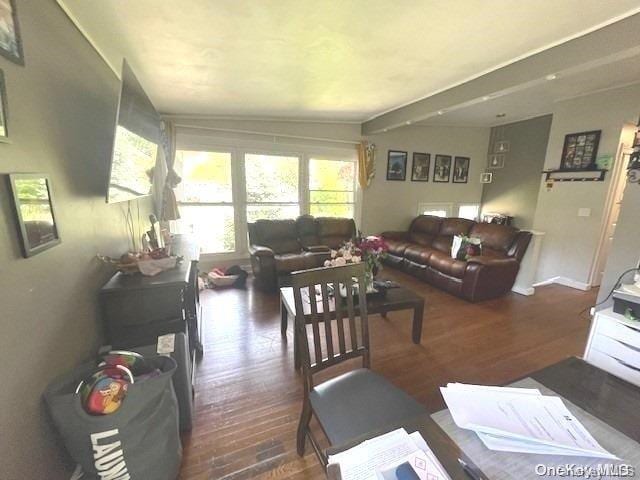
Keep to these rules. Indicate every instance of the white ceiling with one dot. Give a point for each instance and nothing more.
(331, 60)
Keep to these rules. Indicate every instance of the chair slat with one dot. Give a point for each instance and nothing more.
(328, 330)
(317, 347)
(364, 324)
(353, 334)
(339, 317)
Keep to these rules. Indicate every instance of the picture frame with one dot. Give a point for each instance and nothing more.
(486, 177)
(10, 40)
(580, 151)
(461, 169)
(496, 160)
(442, 169)
(34, 210)
(397, 165)
(420, 167)
(502, 146)
(4, 129)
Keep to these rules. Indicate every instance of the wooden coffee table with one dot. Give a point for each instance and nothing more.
(395, 299)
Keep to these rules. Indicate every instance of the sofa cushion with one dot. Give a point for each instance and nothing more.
(443, 263)
(492, 235)
(307, 228)
(333, 227)
(421, 238)
(455, 226)
(291, 262)
(443, 243)
(396, 247)
(279, 235)
(418, 253)
(426, 224)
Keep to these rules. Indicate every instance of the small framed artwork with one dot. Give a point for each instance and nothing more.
(10, 42)
(420, 167)
(442, 169)
(580, 151)
(486, 177)
(461, 169)
(496, 160)
(35, 216)
(397, 165)
(4, 130)
(502, 146)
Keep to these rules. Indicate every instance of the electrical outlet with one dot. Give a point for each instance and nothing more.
(592, 311)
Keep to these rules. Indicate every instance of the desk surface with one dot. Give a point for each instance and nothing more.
(181, 245)
(599, 393)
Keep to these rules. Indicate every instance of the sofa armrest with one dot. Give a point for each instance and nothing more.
(519, 246)
(260, 251)
(317, 249)
(488, 277)
(395, 235)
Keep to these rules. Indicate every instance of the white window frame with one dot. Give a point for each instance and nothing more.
(197, 141)
(477, 205)
(357, 193)
(423, 206)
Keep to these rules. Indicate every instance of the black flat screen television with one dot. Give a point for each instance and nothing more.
(136, 141)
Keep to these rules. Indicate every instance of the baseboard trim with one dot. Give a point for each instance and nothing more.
(567, 282)
(523, 291)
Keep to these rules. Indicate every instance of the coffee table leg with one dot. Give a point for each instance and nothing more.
(418, 313)
(284, 318)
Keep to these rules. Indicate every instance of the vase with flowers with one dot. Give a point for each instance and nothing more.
(368, 250)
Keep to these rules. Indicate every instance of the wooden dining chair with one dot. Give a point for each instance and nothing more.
(354, 403)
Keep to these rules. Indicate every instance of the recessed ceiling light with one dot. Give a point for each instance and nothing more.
(408, 122)
(486, 97)
(553, 76)
(440, 112)
(501, 115)
(386, 130)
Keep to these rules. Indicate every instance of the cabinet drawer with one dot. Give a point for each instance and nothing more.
(617, 349)
(613, 328)
(613, 366)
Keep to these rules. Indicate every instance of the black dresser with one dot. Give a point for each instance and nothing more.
(137, 309)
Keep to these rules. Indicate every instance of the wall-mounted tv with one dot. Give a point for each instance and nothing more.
(136, 141)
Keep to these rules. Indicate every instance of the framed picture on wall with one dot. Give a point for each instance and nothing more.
(496, 160)
(10, 42)
(461, 169)
(35, 216)
(4, 130)
(397, 165)
(442, 169)
(580, 151)
(420, 167)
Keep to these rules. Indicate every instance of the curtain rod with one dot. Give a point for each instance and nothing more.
(251, 132)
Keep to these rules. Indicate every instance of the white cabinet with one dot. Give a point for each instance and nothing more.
(614, 345)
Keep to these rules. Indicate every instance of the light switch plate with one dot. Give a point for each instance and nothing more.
(584, 212)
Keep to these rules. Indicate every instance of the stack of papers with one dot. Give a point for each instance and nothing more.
(520, 420)
(393, 456)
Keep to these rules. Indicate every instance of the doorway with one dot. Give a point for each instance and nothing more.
(612, 207)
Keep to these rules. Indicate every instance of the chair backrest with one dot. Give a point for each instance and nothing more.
(318, 302)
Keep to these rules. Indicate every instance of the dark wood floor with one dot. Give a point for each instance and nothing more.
(249, 397)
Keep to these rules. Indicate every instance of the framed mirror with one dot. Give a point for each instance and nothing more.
(35, 216)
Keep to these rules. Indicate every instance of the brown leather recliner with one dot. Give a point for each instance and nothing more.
(279, 247)
(425, 251)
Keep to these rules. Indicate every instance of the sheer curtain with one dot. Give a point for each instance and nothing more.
(169, 203)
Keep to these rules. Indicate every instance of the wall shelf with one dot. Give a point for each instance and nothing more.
(575, 175)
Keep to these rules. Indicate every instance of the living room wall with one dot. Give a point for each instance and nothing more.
(61, 115)
(515, 187)
(570, 244)
(390, 205)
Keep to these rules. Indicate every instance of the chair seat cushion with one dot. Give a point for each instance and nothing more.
(443, 263)
(291, 262)
(358, 402)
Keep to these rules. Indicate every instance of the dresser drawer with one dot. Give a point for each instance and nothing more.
(613, 366)
(628, 333)
(617, 349)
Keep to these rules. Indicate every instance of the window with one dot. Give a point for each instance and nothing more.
(205, 198)
(435, 209)
(470, 211)
(331, 188)
(271, 186)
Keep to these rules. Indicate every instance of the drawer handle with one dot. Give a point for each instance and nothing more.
(630, 347)
(625, 364)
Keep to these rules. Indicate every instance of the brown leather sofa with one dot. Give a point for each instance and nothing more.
(425, 251)
(279, 247)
